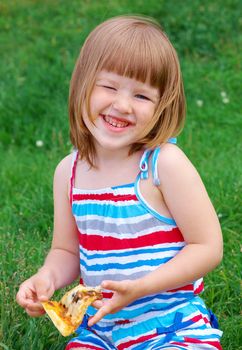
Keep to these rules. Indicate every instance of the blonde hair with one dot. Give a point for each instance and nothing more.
(135, 47)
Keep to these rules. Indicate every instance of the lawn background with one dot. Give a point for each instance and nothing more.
(39, 43)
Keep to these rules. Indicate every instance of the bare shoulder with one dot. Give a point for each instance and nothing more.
(63, 173)
(63, 169)
(173, 159)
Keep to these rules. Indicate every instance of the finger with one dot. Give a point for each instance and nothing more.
(113, 285)
(35, 313)
(98, 304)
(21, 299)
(24, 296)
(99, 315)
(34, 307)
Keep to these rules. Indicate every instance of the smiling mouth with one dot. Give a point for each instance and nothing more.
(117, 123)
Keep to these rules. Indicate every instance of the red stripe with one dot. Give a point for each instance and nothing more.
(123, 322)
(196, 318)
(107, 295)
(189, 287)
(216, 344)
(80, 345)
(206, 320)
(104, 197)
(95, 242)
(135, 341)
(180, 289)
(199, 289)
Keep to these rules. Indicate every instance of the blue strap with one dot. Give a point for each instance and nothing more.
(156, 180)
(172, 140)
(145, 159)
(143, 165)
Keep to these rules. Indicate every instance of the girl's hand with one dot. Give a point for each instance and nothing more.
(124, 293)
(37, 288)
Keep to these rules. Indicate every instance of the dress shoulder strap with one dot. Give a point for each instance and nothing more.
(73, 172)
(154, 166)
(144, 163)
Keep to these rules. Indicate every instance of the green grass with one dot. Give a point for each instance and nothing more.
(40, 41)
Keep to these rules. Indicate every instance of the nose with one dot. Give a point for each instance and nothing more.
(122, 103)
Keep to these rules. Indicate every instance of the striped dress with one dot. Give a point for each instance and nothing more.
(122, 237)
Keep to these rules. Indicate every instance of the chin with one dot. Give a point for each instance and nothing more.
(112, 146)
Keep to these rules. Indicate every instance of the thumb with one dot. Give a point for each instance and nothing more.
(43, 290)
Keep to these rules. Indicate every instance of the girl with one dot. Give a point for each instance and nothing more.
(130, 211)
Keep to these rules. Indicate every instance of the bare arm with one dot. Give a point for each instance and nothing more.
(190, 206)
(61, 266)
(63, 258)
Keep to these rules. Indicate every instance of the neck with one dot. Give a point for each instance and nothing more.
(111, 156)
(116, 160)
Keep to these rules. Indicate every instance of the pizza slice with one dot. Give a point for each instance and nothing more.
(68, 313)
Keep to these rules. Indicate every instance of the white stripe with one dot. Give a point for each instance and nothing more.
(108, 190)
(158, 246)
(128, 259)
(198, 283)
(131, 220)
(155, 301)
(152, 314)
(194, 314)
(120, 203)
(144, 232)
(114, 272)
(201, 332)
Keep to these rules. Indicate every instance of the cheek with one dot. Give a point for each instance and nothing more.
(148, 113)
(96, 103)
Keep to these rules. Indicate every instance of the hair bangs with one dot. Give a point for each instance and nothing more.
(134, 56)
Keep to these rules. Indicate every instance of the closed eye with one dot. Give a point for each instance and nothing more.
(109, 87)
(142, 97)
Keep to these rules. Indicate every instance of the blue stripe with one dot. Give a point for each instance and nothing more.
(123, 186)
(127, 313)
(108, 210)
(100, 328)
(130, 265)
(201, 307)
(129, 253)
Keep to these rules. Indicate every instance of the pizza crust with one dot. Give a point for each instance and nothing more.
(68, 313)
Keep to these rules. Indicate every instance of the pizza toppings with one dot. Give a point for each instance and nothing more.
(68, 313)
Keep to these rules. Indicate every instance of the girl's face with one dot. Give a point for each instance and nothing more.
(121, 108)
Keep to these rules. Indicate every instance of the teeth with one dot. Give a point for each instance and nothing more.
(113, 122)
